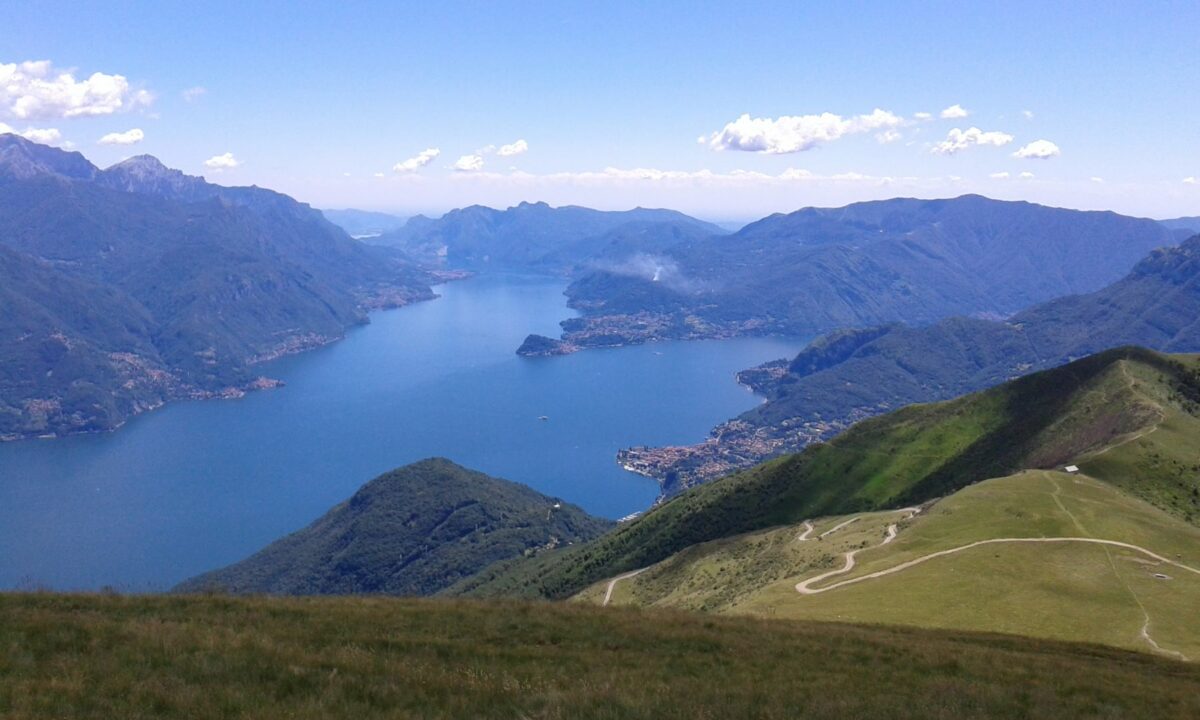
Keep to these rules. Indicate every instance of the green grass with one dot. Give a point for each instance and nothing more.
(912, 455)
(200, 657)
(1077, 592)
(1161, 466)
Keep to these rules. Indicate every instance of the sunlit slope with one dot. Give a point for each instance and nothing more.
(1045, 554)
(1130, 415)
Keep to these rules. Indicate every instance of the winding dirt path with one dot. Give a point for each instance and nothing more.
(805, 587)
(613, 583)
(808, 528)
(839, 526)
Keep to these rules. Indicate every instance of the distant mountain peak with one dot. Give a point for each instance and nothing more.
(536, 204)
(147, 175)
(24, 159)
(142, 163)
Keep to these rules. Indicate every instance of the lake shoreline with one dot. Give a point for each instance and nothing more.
(197, 485)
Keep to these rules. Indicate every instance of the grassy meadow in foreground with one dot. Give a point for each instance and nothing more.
(173, 657)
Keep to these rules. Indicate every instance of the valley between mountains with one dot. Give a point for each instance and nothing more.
(969, 447)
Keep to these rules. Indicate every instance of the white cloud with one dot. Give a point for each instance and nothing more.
(616, 177)
(378, 175)
(512, 149)
(36, 90)
(1028, 114)
(958, 140)
(1038, 150)
(222, 162)
(418, 161)
(795, 174)
(1027, 176)
(46, 136)
(999, 176)
(796, 133)
(129, 137)
(922, 116)
(888, 136)
(193, 94)
(1097, 179)
(1190, 181)
(954, 112)
(469, 163)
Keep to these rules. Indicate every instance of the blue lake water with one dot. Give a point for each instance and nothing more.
(198, 485)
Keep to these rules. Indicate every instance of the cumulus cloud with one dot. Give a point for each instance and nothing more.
(46, 136)
(795, 174)
(42, 135)
(418, 161)
(469, 163)
(1097, 179)
(1038, 150)
(888, 136)
(512, 149)
(954, 112)
(193, 94)
(1027, 176)
(378, 175)
(222, 162)
(958, 140)
(35, 90)
(1190, 181)
(999, 176)
(1028, 114)
(129, 137)
(922, 116)
(796, 133)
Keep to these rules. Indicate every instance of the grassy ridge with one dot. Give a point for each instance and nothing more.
(907, 456)
(1068, 591)
(176, 657)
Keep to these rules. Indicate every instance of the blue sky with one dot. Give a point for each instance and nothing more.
(612, 100)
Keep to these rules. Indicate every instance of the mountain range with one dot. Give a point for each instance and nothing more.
(138, 284)
(852, 374)
(820, 269)
(540, 238)
(1188, 225)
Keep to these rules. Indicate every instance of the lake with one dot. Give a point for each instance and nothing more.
(197, 485)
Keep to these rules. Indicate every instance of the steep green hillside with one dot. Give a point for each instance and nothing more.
(412, 531)
(1013, 554)
(852, 374)
(190, 285)
(198, 657)
(909, 456)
